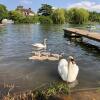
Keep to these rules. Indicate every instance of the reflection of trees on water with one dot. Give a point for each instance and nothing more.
(22, 28)
(2, 30)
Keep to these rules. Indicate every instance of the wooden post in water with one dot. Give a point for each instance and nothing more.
(73, 36)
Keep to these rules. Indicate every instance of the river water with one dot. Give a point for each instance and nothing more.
(16, 48)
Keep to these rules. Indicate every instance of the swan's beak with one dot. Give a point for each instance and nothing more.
(72, 60)
(45, 39)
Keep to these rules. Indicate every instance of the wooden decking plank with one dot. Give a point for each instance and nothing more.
(85, 33)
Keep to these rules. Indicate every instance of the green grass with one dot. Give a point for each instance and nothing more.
(55, 88)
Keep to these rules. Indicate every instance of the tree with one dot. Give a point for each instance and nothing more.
(66, 16)
(78, 15)
(45, 10)
(94, 17)
(3, 12)
(16, 16)
(45, 20)
(58, 16)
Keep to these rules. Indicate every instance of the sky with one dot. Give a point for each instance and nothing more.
(92, 5)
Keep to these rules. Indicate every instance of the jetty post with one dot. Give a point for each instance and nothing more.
(72, 35)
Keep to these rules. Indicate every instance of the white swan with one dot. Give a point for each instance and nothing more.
(40, 45)
(68, 70)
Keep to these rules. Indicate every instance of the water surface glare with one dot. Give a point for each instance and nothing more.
(16, 48)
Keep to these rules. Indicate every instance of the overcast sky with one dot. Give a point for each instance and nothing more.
(93, 5)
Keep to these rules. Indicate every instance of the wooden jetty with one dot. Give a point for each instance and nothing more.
(73, 32)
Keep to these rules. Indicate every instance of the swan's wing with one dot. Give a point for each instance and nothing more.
(73, 72)
(76, 70)
(63, 69)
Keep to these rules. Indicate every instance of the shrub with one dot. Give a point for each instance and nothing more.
(45, 20)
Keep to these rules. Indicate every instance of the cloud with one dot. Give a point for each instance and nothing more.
(26, 1)
(91, 6)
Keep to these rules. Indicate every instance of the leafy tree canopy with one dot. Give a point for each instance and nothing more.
(45, 10)
(3, 12)
(94, 17)
(58, 16)
(45, 20)
(78, 16)
(18, 17)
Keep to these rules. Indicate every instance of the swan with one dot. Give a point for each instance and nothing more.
(40, 45)
(57, 55)
(68, 69)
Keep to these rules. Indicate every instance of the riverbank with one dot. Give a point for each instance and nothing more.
(55, 91)
(1, 25)
(76, 95)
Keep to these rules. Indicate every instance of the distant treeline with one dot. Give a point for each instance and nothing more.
(48, 15)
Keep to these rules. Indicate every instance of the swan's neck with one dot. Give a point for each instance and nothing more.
(70, 64)
(45, 43)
